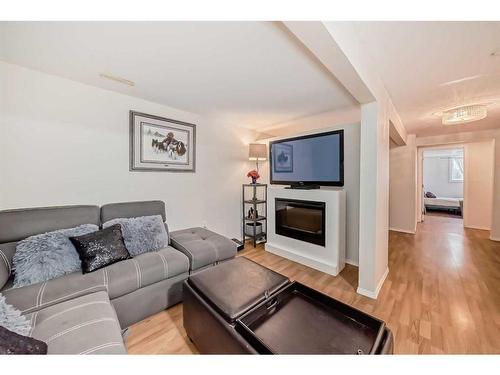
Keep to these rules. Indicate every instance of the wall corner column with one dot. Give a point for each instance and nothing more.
(495, 217)
(374, 203)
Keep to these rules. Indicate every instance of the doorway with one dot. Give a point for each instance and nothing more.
(474, 166)
(443, 182)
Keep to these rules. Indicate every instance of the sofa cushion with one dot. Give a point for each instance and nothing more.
(83, 325)
(203, 247)
(35, 297)
(145, 269)
(118, 279)
(48, 255)
(142, 234)
(16, 225)
(132, 209)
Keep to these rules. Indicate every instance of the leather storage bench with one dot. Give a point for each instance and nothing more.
(242, 307)
(203, 247)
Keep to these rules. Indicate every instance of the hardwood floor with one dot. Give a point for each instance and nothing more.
(442, 294)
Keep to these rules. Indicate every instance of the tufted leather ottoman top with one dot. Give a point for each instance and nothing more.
(236, 285)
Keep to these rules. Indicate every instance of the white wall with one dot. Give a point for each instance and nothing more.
(471, 137)
(374, 160)
(436, 178)
(340, 117)
(482, 203)
(478, 194)
(351, 171)
(374, 197)
(403, 186)
(62, 142)
(495, 217)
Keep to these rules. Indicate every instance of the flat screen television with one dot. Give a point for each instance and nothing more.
(308, 161)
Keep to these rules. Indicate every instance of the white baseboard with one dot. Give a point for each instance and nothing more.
(476, 227)
(352, 262)
(401, 230)
(323, 267)
(371, 293)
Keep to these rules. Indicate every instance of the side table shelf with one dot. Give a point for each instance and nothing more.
(255, 227)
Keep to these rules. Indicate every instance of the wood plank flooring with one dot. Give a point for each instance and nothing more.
(442, 294)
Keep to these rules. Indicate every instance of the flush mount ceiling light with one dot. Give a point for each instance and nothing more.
(462, 115)
(117, 79)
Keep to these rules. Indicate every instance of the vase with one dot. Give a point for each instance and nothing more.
(254, 180)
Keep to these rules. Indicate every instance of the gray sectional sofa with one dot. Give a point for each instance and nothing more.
(86, 313)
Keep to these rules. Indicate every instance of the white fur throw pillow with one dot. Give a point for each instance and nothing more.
(142, 234)
(11, 318)
(47, 256)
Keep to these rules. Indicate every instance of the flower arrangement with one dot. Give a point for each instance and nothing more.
(254, 175)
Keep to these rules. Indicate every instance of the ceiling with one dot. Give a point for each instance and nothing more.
(428, 67)
(254, 74)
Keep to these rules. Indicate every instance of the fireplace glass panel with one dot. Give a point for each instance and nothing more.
(301, 220)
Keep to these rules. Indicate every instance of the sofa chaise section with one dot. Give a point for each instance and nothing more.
(84, 325)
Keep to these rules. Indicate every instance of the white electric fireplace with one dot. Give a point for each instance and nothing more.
(308, 227)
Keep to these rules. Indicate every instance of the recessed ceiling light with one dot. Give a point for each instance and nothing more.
(117, 79)
(464, 114)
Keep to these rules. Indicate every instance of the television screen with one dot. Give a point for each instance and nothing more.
(312, 159)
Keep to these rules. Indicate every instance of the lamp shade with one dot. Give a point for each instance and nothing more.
(257, 151)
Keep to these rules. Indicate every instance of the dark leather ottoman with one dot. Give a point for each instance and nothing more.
(242, 307)
(214, 298)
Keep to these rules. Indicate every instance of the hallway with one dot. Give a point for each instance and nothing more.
(448, 294)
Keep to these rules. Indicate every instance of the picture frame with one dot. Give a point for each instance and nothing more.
(161, 144)
(283, 158)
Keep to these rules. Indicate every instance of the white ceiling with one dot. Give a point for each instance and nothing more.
(253, 74)
(418, 62)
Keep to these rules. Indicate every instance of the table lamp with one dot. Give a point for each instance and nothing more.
(257, 152)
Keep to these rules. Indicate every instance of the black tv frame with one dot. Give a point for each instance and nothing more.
(306, 183)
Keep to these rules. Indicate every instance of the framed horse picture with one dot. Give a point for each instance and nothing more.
(161, 144)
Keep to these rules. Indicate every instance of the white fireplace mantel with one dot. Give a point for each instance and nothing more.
(330, 258)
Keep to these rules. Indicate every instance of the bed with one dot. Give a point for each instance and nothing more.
(453, 205)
